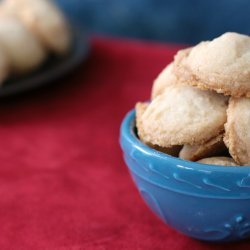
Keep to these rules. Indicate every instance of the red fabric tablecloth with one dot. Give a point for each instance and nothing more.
(63, 182)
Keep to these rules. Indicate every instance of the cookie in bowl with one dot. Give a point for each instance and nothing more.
(200, 102)
(140, 109)
(213, 147)
(183, 115)
(189, 111)
(222, 64)
(237, 129)
(222, 161)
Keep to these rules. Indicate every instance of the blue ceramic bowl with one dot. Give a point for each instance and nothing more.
(205, 202)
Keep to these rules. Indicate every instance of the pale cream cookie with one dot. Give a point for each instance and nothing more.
(237, 128)
(165, 78)
(213, 147)
(223, 161)
(222, 64)
(183, 115)
(23, 50)
(140, 109)
(43, 19)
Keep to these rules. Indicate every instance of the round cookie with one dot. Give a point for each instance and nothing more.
(223, 161)
(222, 64)
(213, 147)
(237, 130)
(22, 49)
(165, 78)
(183, 115)
(44, 20)
(140, 109)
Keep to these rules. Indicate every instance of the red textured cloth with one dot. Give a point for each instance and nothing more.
(63, 182)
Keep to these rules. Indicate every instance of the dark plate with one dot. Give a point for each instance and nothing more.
(54, 68)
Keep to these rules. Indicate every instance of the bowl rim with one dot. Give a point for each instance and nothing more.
(128, 133)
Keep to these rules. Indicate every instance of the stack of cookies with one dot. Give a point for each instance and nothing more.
(30, 30)
(200, 106)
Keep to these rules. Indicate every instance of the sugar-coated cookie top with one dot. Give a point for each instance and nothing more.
(165, 78)
(222, 64)
(184, 115)
(225, 56)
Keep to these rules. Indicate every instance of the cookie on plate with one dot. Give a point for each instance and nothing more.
(140, 109)
(223, 161)
(45, 20)
(213, 147)
(222, 64)
(237, 130)
(183, 115)
(22, 48)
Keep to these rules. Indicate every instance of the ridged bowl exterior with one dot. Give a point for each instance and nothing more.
(206, 202)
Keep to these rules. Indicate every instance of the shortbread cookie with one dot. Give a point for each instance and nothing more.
(165, 78)
(237, 128)
(213, 147)
(222, 64)
(21, 47)
(45, 20)
(223, 161)
(183, 115)
(140, 109)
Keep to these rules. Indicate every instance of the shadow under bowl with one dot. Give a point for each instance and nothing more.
(206, 202)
